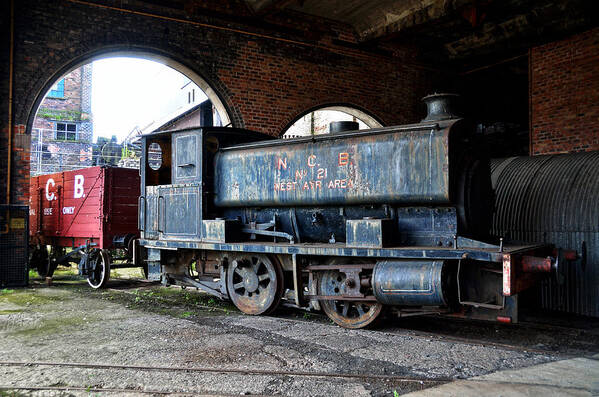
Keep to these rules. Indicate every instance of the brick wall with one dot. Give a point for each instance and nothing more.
(51, 153)
(264, 82)
(565, 95)
(4, 71)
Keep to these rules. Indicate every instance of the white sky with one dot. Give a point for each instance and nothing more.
(130, 92)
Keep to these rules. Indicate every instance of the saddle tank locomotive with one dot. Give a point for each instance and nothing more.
(350, 222)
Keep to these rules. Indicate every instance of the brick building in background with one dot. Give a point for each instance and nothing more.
(62, 132)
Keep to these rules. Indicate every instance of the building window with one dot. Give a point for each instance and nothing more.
(57, 90)
(66, 131)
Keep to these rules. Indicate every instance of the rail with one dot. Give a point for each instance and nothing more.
(233, 371)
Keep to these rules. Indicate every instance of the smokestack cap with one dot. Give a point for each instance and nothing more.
(340, 126)
(441, 107)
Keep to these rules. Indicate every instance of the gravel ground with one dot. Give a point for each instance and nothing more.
(153, 326)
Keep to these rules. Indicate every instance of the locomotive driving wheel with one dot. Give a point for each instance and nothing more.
(351, 314)
(100, 273)
(254, 283)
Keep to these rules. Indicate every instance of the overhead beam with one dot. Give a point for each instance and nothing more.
(267, 7)
(397, 17)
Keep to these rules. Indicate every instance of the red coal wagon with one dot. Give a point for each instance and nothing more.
(86, 216)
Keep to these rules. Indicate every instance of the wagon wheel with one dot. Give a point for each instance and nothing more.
(39, 260)
(348, 314)
(100, 261)
(254, 283)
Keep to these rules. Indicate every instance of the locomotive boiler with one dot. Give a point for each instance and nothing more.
(350, 222)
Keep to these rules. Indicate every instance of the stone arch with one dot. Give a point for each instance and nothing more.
(367, 117)
(212, 87)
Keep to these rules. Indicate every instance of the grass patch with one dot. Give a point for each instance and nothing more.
(27, 297)
(186, 314)
(13, 393)
(177, 295)
(61, 273)
(33, 274)
(52, 326)
(67, 273)
(175, 302)
(127, 273)
(4, 312)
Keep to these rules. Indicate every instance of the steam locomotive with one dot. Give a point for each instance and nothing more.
(350, 223)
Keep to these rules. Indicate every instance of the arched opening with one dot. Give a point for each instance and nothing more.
(67, 135)
(64, 137)
(316, 120)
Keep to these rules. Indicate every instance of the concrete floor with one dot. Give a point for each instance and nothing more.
(155, 326)
(570, 377)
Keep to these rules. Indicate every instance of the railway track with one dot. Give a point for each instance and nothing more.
(421, 381)
(233, 371)
(95, 390)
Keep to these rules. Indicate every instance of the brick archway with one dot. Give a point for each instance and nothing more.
(262, 80)
(210, 88)
(364, 115)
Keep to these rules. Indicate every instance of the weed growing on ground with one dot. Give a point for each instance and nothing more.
(186, 314)
(27, 297)
(52, 326)
(10, 311)
(13, 393)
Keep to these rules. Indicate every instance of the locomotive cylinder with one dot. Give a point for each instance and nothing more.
(410, 283)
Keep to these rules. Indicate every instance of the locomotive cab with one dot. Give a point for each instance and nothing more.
(176, 178)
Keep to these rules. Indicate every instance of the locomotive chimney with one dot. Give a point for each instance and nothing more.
(441, 107)
(340, 126)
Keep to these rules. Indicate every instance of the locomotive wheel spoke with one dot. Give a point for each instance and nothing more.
(345, 309)
(255, 283)
(238, 285)
(348, 314)
(360, 309)
(263, 277)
